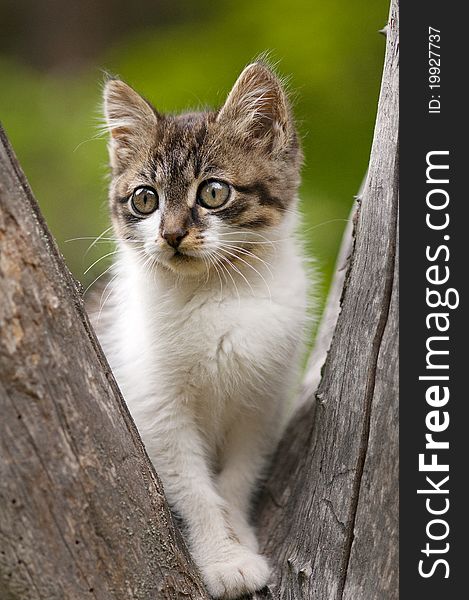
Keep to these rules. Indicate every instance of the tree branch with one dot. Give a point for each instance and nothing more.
(328, 517)
(82, 511)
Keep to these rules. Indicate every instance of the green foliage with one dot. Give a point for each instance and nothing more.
(331, 51)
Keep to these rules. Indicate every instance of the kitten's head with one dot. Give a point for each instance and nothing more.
(196, 189)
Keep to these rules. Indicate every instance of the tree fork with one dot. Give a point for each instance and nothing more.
(82, 511)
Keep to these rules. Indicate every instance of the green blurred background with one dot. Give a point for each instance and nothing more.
(183, 54)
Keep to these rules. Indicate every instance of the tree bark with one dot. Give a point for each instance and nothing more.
(82, 512)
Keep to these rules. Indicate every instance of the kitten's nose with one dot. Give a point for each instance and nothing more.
(174, 237)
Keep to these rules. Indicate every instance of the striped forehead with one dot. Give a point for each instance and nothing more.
(180, 153)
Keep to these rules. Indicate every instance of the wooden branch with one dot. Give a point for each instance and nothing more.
(329, 318)
(328, 516)
(325, 334)
(82, 512)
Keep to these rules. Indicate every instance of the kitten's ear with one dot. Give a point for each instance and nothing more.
(130, 120)
(258, 107)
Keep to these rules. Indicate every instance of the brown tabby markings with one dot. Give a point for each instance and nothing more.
(173, 152)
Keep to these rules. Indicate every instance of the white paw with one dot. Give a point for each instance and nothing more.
(235, 573)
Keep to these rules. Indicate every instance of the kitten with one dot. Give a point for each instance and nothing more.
(205, 331)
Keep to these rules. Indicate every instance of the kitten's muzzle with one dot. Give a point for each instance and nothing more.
(174, 237)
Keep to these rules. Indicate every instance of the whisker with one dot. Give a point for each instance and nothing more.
(100, 259)
(248, 253)
(101, 303)
(103, 240)
(236, 270)
(217, 262)
(102, 130)
(276, 241)
(146, 261)
(213, 262)
(253, 268)
(225, 268)
(208, 262)
(251, 242)
(321, 224)
(97, 239)
(246, 232)
(207, 268)
(98, 277)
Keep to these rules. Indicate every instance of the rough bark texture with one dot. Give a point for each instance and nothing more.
(326, 329)
(82, 513)
(329, 516)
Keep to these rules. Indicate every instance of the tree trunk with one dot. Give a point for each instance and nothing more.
(82, 512)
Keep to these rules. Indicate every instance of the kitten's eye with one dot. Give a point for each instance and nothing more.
(213, 194)
(144, 200)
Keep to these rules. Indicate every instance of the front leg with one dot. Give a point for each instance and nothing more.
(228, 568)
(245, 454)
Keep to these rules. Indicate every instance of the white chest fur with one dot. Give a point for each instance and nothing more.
(206, 344)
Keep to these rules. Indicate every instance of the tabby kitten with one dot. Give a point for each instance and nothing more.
(205, 330)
